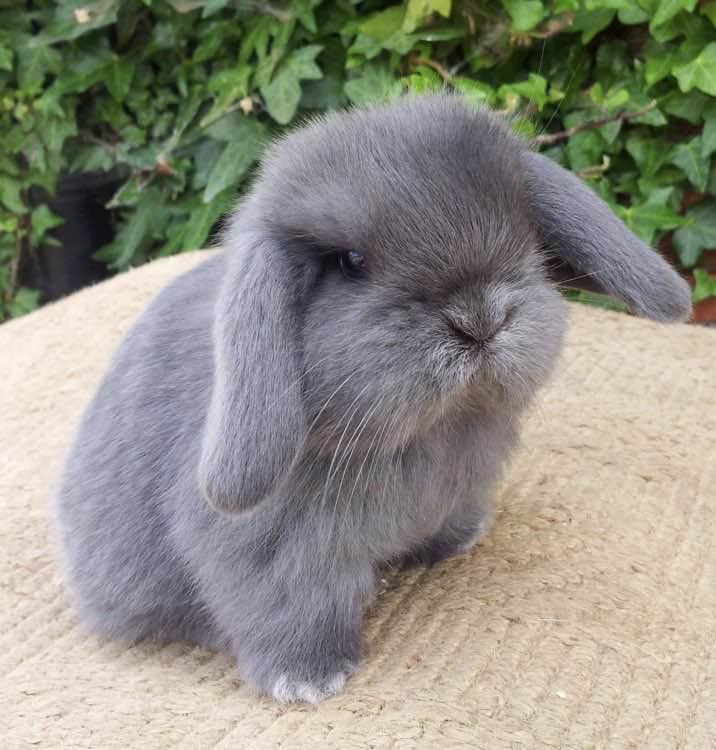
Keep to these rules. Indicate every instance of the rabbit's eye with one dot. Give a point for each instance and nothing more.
(352, 263)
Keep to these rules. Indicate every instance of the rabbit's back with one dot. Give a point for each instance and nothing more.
(135, 453)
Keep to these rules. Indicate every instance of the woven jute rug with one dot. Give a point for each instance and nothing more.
(587, 618)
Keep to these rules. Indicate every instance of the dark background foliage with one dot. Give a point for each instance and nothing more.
(132, 125)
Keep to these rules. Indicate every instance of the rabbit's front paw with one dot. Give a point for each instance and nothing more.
(287, 689)
(456, 538)
(483, 528)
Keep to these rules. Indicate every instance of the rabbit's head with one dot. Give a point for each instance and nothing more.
(390, 269)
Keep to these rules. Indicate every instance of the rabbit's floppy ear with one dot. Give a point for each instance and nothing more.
(255, 424)
(580, 229)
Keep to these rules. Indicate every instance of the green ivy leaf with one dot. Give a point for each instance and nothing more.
(201, 221)
(84, 72)
(422, 80)
(236, 158)
(8, 164)
(55, 131)
(474, 91)
(610, 131)
(688, 157)
(282, 96)
(214, 36)
(648, 153)
(638, 100)
(585, 149)
(651, 216)
(42, 220)
(302, 62)
(704, 285)
(8, 225)
(383, 24)
(35, 153)
(10, 195)
(564, 6)
(283, 93)
(416, 11)
(6, 55)
(659, 59)
(700, 72)
(24, 301)
(697, 234)
(709, 10)
(708, 135)
(34, 63)
(632, 15)
(534, 89)
(439, 34)
(689, 107)
(376, 84)
(129, 194)
(364, 48)
(185, 6)
(118, 77)
(667, 9)
(666, 176)
(147, 219)
(193, 233)
(591, 22)
(91, 158)
(212, 6)
(382, 31)
(229, 86)
(525, 14)
(308, 19)
(227, 127)
(694, 28)
(74, 19)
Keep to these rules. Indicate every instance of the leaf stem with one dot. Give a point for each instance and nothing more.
(548, 138)
(435, 65)
(20, 244)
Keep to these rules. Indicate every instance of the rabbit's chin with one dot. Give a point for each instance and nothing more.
(487, 383)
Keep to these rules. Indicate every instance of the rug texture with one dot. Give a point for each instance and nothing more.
(586, 619)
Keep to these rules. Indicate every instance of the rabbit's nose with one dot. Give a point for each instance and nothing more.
(471, 334)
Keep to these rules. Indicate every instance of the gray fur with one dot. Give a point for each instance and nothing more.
(339, 424)
(581, 230)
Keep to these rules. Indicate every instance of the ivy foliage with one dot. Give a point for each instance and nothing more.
(178, 97)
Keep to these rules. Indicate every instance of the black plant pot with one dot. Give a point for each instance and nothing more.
(80, 200)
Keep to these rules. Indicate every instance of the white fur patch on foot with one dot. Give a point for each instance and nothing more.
(287, 690)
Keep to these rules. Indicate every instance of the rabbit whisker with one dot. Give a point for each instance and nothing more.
(367, 455)
(564, 282)
(352, 408)
(350, 450)
(334, 428)
(378, 449)
(323, 408)
(298, 380)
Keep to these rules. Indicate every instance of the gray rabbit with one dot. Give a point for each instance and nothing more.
(338, 390)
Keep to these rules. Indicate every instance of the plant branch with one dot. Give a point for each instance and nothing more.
(562, 135)
(554, 26)
(106, 145)
(595, 170)
(435, 65)
(14, 273)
